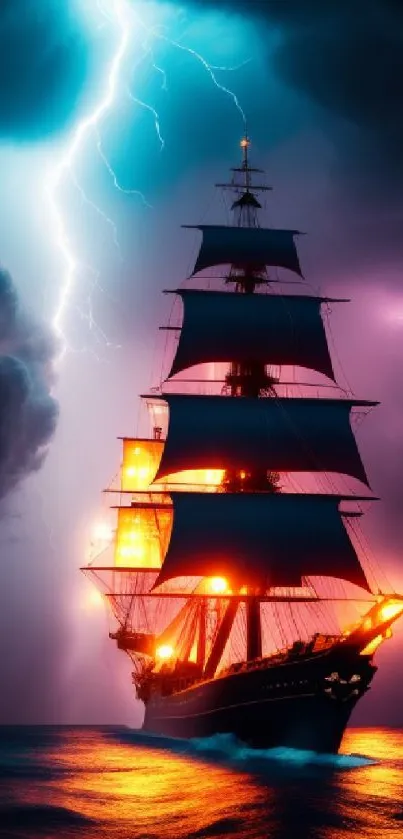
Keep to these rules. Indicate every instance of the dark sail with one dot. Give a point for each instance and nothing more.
(267, 328)
(278, 434)
(249, 247)
(260, 539)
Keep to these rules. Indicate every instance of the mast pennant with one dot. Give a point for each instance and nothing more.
(259, 539)
(268, 328)
(249, 247)
(277, 434)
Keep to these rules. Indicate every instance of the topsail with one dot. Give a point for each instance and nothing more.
(246, 247)
(244, 328)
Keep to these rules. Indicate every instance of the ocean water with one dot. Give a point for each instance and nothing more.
(115, 783)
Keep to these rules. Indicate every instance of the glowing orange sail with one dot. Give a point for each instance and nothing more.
(142, 535)
(141, 460)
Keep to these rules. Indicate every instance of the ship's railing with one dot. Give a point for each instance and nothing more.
(318, 643)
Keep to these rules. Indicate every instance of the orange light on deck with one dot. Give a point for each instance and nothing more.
(389, 611)
(376, 642)
(218, 585)
(383, 612)
(244, 143)
(165, 651)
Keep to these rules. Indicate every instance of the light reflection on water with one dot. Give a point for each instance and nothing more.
(116, 783)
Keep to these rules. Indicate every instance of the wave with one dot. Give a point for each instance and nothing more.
(235, 750)
(227, 748)
(40, 817)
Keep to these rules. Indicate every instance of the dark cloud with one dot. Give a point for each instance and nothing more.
(42, 66)
(347, 58)
(28, 412)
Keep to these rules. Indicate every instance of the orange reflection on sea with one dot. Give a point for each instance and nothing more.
(372, 794)
(114, 783)
(134, 791)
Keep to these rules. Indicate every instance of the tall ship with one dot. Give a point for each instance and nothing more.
(235, 570)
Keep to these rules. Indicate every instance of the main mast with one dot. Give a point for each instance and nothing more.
(248, 378)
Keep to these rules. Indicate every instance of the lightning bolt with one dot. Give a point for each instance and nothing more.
(64, 168)
(119, 13)
(210, 70)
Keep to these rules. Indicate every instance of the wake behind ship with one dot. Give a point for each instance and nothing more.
(236, 573)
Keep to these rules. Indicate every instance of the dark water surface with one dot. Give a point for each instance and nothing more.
(113, 783)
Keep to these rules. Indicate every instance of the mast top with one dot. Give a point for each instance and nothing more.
(247, 188)
(245, 143)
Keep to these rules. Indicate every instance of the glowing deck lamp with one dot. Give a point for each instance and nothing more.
(376, 642)
(389, 610)
(165, 651)
(218, 585)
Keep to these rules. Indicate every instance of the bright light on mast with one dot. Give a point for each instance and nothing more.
(218, 585)
(165, 651)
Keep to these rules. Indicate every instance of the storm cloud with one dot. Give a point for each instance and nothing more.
(43, 64)
(28, 412)
(347, 58)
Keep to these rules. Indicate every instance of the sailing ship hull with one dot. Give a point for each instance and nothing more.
(301, 704)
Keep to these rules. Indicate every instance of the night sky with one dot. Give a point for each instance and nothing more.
(322, 87)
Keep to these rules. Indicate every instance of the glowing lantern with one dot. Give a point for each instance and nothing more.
(165, 651)
(373, 645)
(389, 610)
(218, 585)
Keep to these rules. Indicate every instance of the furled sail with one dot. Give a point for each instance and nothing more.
(279, 434)
(269, 328)
(260, 539)
(246, 247)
